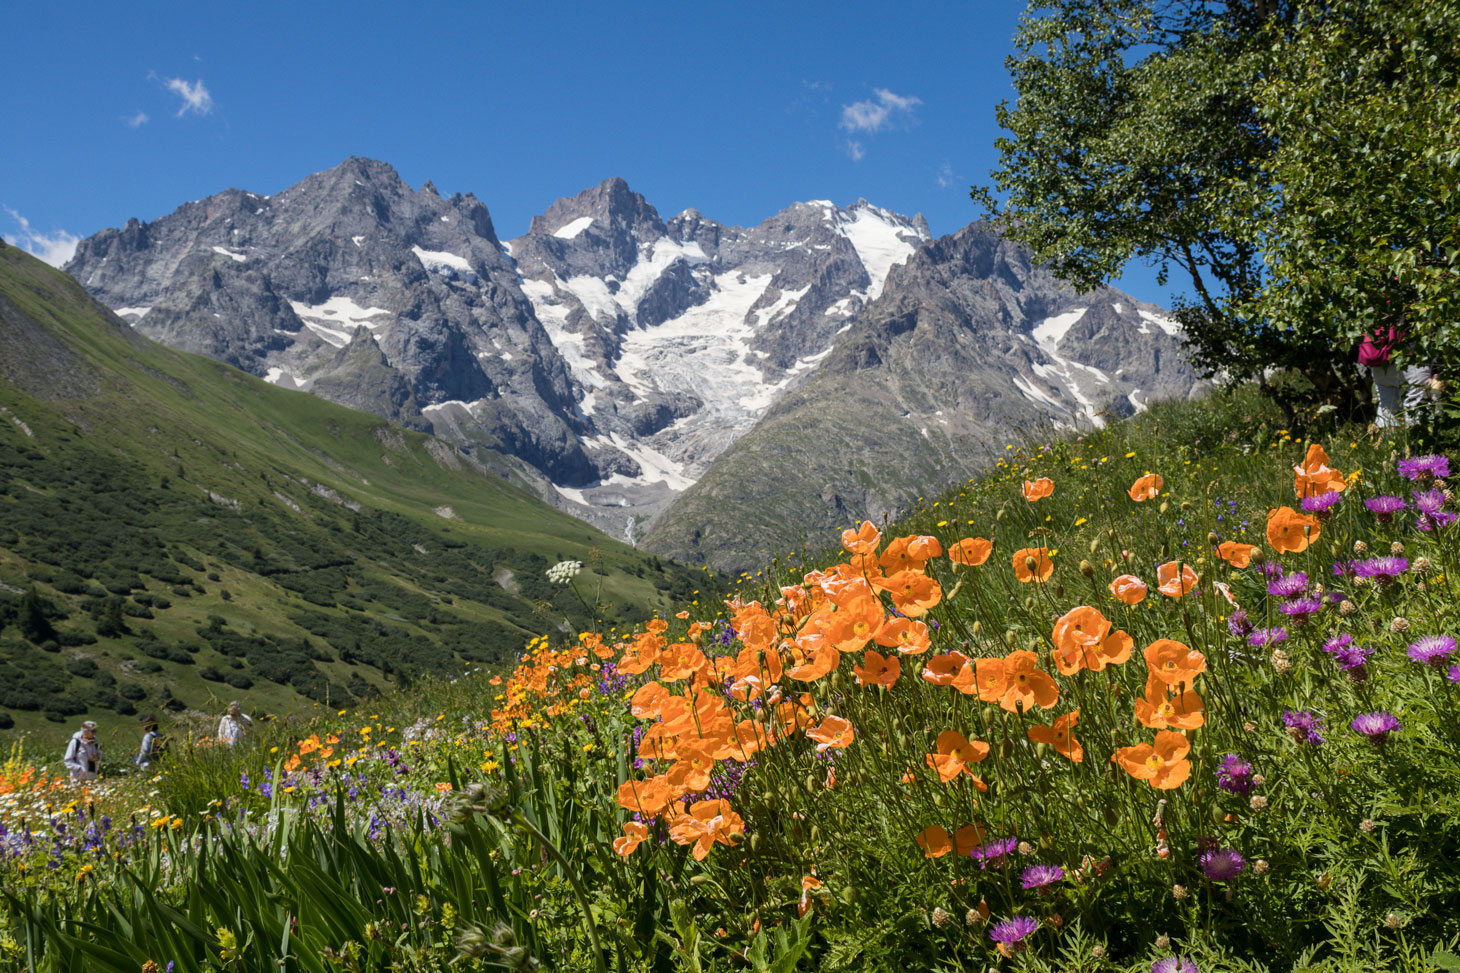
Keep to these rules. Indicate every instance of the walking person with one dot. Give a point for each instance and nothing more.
(233, 725)
(83, 754)
(152, 743)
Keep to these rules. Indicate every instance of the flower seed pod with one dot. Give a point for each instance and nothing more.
(1360, 548)
(1095, 545)
(1397, 548)
(1185, 505)
(1399, 625)
(1087, 569)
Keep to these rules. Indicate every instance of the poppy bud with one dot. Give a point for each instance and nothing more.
(1258, 558)
(1186, 505)
(811, 782)
(1030, 564)
(1000, 514)
(849, 894)
(1087, 569)
(1059, 591)
(815, 834)
(755, 841)
(1165, 506)
(1110, 532)
(1007, 749)
(1011, 638)
(1029, 603)
(1112, 816)
(699, 879)
(1213, 539)
(1218, 815)
(1095, 545)
(976, 627)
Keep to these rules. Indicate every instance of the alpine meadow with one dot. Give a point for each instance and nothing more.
(666, 595)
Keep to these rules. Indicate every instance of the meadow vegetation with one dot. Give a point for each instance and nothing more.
(1175, 694)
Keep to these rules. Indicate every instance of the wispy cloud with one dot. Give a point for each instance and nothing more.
(137, 120)
(946, 176)
(55, 248)
(195, 96)
(855, 150)
(873, 115)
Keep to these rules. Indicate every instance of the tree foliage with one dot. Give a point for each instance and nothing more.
(1295, 159)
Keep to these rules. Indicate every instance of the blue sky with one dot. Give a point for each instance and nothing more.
(736, 110)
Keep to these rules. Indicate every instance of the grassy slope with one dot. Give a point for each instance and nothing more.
(122, 461)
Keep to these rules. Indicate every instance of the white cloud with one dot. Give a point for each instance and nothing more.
(195, 96)
(137, 120)
(874, 115)
(855, 150)
(55, 249)
(946, 177)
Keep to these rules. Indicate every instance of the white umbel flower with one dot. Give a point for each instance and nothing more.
(564, 571)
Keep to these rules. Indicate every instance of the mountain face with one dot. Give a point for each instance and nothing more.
(615, 355)
(967, 343)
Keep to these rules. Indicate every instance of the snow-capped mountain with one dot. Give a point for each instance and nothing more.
(615, 354)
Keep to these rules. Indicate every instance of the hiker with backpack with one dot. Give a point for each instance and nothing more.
(83, 754)
(152, 743)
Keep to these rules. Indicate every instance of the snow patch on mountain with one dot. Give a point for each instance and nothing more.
(1164, 323)
(441, 262)
(881, 240)
(232, 254)
(570, 230)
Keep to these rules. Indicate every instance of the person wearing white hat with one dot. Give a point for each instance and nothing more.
(83, 754)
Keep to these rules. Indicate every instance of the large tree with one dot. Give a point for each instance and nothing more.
(1177, 131)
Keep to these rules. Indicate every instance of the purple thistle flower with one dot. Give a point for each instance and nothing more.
(1342, 568)
(1302, 609)
(1376, 726)
(1382, 569)
(1174, 964)
(1453, 674)
(1432, 650)
(995, 853)
(1353, 660)
(1322, 504)
(1038, 876)
(1303, 726)
(1384, 508)
(1434, 521)
(1267, 636)
(1428, 502)
(1011, 932)
(1271, 569)
(1340, 641)
(1234, 775)
(1222, 865)
(1425, 468)
(1289, 586)
(1239, 624)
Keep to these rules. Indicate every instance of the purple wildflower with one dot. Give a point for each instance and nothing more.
(1235, 775)
(1432, 650)
(1267, 636)
(1271, 569)
(1453, 674)
(1239, 624)
(1382, 569)
(1174, 964)
(1302, 609)
(995, 853)
(1339, 641)
(1376, 726)
(1353, 660)
(1384, 508)
(1425, 468)
(1222, 865)
(1289, 586)
(1011, 932)
(1303, 726)
(1342, 568)
(1428, 502)
(1038, 876)
(1322, 504)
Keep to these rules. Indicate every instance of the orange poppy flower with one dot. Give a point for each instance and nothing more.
(1175, 579)
(833, 731)
(942, 669)
(1033, 564)
(691, 772)
(908, 636)
(1163, 765)
(935, 842)
(1314, 476)
(1078, 629)
(992, 679)
(1235, 554)
(706, 824)
(1290, 531)
(877, 670)
(1038, 489)
(292, 764)
(909, 552)
(634, 832)
(1060, 736)
(648, 702)
(863, 540)
(971, 551)
(1129, 589)
(955, 753)
(1161, 711)
(1174, 663)
(1027, 683)
(820, 659)
(967, 838)
(912, 591)
(646, 797)
(1146, 487)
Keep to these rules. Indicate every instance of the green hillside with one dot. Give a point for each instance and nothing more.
(175, 533)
